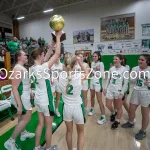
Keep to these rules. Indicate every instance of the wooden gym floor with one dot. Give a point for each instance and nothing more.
(99, 137)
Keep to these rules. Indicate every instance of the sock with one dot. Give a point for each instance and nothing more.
(131, 122)
(38, 146)
(143, 130)
(56, 109)
(113, 112)
(118, 120)
(23, 132)
(13, 140)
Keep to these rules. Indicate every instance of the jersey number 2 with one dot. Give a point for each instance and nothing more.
(69, 92)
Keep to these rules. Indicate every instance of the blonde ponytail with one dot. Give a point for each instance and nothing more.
(69, 63)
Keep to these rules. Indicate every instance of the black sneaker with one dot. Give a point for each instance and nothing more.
(115, 125)
(141, 135)
(128, 125)
(113, 117)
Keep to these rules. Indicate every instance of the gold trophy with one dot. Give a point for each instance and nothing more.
(57, 23)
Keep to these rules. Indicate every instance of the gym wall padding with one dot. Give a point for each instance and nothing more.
(132, 60)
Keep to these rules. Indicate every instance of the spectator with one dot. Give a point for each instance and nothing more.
(43, 42)
(40, 41)
(13, 46)
(35, 44)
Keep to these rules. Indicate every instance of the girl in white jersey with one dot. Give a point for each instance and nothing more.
(85, 82)
(56, 69)
(140, 76)
(115, 89)
(73, 107)
(96, 86)
(20, 97)
(125, 103)
(43, 94)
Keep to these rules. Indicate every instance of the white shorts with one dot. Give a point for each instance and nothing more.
(73, 113)
(140, 98)
(55, 87)
(85, 85)
(112, 95)
(96, 85)
(25, 102)
(44, 109)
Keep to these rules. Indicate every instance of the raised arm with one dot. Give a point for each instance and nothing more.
(57, 50)
(47, 56)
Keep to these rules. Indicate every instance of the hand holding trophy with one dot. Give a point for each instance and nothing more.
(57, 23)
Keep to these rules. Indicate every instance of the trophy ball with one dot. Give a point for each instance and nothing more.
(57, 22)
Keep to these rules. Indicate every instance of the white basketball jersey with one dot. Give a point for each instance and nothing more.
(72, 95)
(24, 87)
(56, 70)
(78, 68)
(41, 75)
(141, 78)
(117, 79)
(95, 73)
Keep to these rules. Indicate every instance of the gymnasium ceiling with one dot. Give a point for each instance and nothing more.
(17, 8)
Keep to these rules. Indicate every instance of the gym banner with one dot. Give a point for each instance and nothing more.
(123, 47)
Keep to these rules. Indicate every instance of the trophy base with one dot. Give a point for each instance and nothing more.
(62, 38)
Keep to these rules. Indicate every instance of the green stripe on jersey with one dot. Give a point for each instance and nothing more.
(83, 112)
(20, 90)
(50, 97)
(100, 82)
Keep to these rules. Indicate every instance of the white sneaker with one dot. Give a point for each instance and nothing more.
(57, 113)
(101, 121)
(74, 149)
(91, 113)
(10, 145)
(26, 135)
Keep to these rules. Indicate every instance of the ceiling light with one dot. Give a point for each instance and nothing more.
(20, 18)
(45, 11)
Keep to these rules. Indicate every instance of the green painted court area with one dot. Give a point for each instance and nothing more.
(31, 127)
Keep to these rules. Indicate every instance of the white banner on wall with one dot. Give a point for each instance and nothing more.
(122, 47)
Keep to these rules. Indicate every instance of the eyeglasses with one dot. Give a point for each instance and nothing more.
(94, 56)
